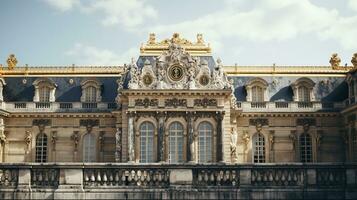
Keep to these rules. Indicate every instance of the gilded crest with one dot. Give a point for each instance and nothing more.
(11, 61)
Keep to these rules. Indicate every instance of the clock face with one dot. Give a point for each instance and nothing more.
(147, 79)
(176, 72)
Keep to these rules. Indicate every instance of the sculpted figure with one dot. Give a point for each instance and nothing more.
(233, 145)
(28, 139)
(354, 60)
(134, 75)
(335, 61)
(11, 61)
(152, 38)
(200, 39)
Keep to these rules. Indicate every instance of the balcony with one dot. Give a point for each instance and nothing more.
(289, 106)
(186, 181)
(58, 107)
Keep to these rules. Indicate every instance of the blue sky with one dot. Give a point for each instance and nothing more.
(246, 32)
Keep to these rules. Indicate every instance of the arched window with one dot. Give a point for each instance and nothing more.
(304, 94)
(89, 148)
(258, 148)
(90, 94)
(175, 142)
(146, 142)
(257, 94)
(44, 93)
(205, 131)
(305, 148)
(41, 148)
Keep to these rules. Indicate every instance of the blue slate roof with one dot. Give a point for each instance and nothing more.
(16, 91)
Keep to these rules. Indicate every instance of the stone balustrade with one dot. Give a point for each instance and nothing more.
(57, 106)
(171, 181)
(289, 106)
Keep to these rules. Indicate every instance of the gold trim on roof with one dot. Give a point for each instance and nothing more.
(154, 48)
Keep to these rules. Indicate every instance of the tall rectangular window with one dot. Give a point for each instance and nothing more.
(258, 148)
(305, 148)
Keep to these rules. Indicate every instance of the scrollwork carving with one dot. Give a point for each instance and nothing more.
(175, 102)
(205, 102)
(146, 102)
(304, 121)
(89, 122)
(261, 121)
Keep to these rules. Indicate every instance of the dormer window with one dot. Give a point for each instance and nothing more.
(257, 90)
(44, 90)
(91, 91)
(303, 90)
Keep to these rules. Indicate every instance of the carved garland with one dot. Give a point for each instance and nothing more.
(205, 102)
(146, 102)
(38, 122)
(261, 121)
(175, 102)
(89, 122)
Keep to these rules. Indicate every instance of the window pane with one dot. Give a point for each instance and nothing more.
(41, 148)
(304, 94)
(146, 142)
(257, 94)
(175, 142)
(259, 148)
(89, 148)
(305, 148)
(205, 142)
(90, 94)
(44, 94)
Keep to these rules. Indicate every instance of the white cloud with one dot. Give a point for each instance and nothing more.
(63, 5)
(269, 20)
(353, 4)
(129, 13)
(90, 55)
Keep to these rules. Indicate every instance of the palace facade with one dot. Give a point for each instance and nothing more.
(176, 105)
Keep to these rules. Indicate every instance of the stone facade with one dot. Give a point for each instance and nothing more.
(176, 105)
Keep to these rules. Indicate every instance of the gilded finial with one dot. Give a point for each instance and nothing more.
(335, 61)
(354, 60)
(11, 61)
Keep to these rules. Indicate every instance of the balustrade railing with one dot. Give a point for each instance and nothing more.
(44, 177)
(277, 177)
(8, 177)
(289, 106)
(125, 177)
(216, 177)
(116, 175)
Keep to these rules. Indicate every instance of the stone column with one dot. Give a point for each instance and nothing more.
(219, 151)
(160, 139)
(131, 150)
(191, 139)
(118, 136)
(2, 140)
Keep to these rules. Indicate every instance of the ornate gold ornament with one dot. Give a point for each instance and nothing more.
(354, 60)
(11, 61)
(156, 48)
(147, 79)
(335, 61)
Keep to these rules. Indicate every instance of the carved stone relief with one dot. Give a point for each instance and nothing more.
(146, 102)
(175, 102)
(205, 102)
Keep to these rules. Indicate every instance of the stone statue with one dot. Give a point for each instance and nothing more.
(75, 138)
(28, 139)
(152, 38)
(134, 75)
(11, 61)
(354, 60)
(233, 145)
(200, 39)
(335, 61)
(53, 140)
